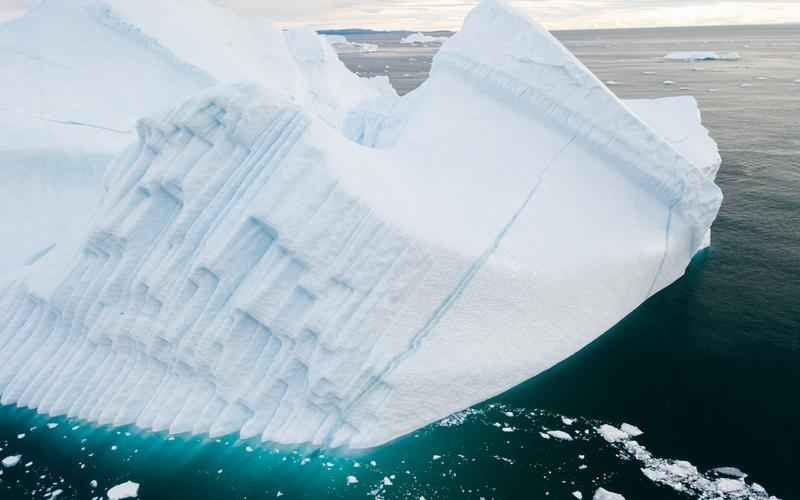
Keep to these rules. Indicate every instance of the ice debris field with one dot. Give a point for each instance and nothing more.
(307, 258)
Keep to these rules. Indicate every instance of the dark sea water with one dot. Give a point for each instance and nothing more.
(709, 368)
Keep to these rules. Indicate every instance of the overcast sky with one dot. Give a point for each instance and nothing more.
(554, 14)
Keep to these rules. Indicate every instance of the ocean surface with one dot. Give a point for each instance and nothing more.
(709, 368)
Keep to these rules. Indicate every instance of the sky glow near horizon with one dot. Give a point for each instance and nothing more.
(553, 14)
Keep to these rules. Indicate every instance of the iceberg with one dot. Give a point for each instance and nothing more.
(702, 56)
(298, 256)
(422, 39)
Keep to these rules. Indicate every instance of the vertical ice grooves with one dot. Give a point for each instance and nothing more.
(231, 286)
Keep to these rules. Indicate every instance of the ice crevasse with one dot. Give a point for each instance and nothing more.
(266, 266)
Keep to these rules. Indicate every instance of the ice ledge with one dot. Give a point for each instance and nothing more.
(511, 58)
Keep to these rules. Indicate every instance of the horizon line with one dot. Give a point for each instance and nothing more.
(557, 30)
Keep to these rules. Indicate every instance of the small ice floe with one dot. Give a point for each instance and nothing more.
(387, 481)
(567, 421)
(604, 494)
(669, 82)
(578, 495)
(21, 436)
(544, 435)
(648, 72)
(128, 489)
(437, 457)
(611, 433)
(352, 480)
(762, 78)
(631, 430)
(508, 414)
(563, 436)
(248, 449)
(93, 483)
(11, 461)
(746, 85)
(613, 83)
(52, 425)
(508, 429)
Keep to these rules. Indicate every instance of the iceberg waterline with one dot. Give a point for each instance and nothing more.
(254, 269)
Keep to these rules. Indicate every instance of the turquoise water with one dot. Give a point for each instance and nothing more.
(709, 368)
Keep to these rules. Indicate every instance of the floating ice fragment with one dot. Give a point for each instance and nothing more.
(352, 480)
(567, 421)
(631, 430)
(21, 436)
(387, 481)
(11, 461)
(128, 489)
(436, 457)
(52, 425)
(563, 436)
(578, 495)
(420, 38)
(604, 494)
(611, 433)
(93, 483)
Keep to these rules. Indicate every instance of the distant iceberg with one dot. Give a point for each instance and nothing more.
(703, 56)
(344, 46)
(422, 39)
(307, 258)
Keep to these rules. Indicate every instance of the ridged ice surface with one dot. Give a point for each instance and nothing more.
(254, 270)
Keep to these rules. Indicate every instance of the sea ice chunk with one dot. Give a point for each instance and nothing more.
(604, 494)
(11, 461)
(422, 39)
(128, 489)
(702, 56)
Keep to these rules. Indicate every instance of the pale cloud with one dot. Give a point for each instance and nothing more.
(554, 14)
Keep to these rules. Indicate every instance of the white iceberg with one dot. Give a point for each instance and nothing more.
(307, 258)
(422, 39)
(702, 56)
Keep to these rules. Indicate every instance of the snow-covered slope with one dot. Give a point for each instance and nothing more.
(254, 270)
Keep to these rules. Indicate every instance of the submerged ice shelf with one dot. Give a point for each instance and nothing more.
(309, 259)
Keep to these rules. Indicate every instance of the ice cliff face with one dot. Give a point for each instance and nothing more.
(255, 270)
